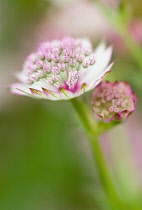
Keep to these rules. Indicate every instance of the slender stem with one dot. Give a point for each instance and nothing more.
(122, 28)
(103, 172)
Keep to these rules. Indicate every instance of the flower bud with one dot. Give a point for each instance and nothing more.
(113, 101)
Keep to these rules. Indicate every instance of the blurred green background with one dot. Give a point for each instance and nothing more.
(45, 160)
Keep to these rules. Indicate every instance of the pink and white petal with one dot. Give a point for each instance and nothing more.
(20, 89)
(21, 76)
(86, 43)
(99, 77)
(66, 94)
(100, 49)
(42, 83)
(104, 58)
(98, 67)
(51, 95)
(37, 93)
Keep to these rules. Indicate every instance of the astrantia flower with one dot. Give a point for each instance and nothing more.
(63, 69)
(113, 101)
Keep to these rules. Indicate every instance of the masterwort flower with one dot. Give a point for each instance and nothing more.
(63, 69)
(113, 101)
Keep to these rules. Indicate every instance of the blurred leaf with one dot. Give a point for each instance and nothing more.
(18, 19)
(41, 165)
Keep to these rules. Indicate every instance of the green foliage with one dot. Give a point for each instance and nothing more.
(42, 165)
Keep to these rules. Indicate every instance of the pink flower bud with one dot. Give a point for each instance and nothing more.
(113, 101)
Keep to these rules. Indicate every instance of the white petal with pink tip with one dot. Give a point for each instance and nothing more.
(63, 69)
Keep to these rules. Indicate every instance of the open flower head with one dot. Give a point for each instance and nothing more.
(113, 101)
(63, 69)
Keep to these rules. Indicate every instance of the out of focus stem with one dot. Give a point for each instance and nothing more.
(104, 175)
(114, 17)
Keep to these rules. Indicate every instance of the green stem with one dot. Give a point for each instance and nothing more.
(106, 180)
(122, 28)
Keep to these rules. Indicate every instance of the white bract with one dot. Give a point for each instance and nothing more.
(63, 69)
